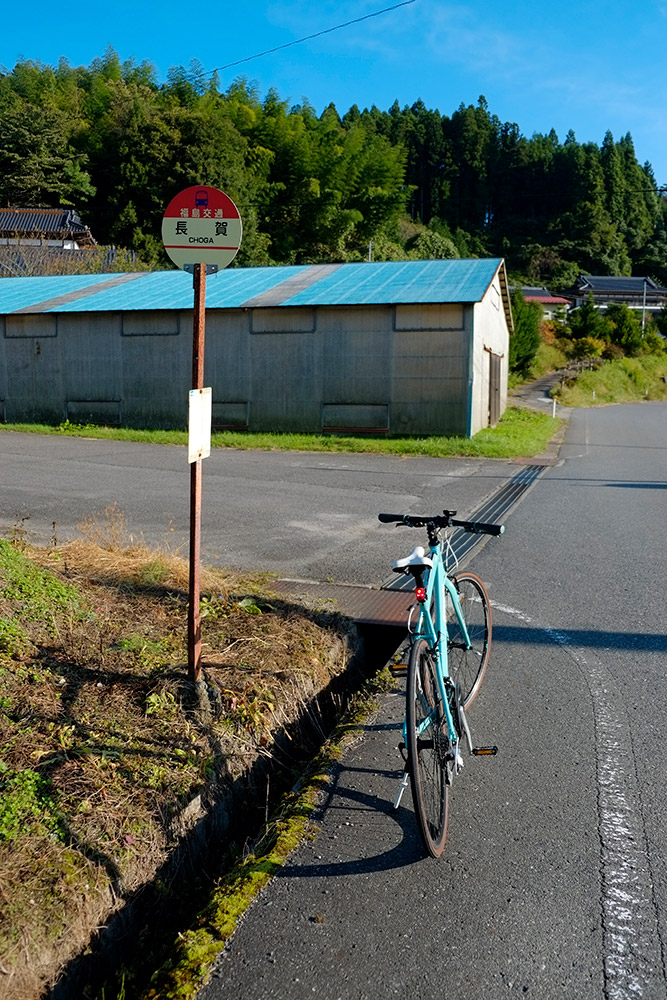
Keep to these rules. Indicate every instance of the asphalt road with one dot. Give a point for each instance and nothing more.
(554, 879)
(553, 883)
(302, 515)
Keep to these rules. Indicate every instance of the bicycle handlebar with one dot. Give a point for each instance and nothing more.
(444, 520)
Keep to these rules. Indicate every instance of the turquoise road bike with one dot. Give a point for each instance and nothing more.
(450, 639)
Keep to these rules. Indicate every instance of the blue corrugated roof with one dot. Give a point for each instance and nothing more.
(19, 293)
(393, 282)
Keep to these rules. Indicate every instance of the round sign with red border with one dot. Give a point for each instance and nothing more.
(201, 225)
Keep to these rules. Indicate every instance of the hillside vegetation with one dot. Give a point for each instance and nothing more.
(410, 182)
(626, 380)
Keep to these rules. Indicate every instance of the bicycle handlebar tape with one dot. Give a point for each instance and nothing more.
(389, 518)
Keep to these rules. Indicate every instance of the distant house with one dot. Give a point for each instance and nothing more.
(550, 303)
(637, 293)
(42, 240)
(52, 227)
(401, 347)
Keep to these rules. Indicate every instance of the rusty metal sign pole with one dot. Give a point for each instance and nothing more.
(194, 616)
(205, 218)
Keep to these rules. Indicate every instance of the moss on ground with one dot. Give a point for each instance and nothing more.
(199, 947)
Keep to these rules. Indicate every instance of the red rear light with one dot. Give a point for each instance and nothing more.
(420, 594)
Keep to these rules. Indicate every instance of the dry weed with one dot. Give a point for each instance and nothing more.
(97, 707)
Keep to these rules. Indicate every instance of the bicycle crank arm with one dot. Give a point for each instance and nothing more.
(484, 751)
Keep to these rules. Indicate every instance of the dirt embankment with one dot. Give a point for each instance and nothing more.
(113, 769)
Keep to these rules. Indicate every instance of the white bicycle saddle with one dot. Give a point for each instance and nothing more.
(416, 560)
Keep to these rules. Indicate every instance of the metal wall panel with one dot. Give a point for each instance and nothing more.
(286, 382)
(34, 385)
(429, 317)
(350, 417)
(94, 411)
(491, 335)
(31, 326)
(91, 350)
(156, 377)
(150, 324)
(227, 367)
(230, 415)
(282, 320)
(356, 355)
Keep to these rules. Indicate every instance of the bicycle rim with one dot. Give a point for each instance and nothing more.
(468, 666)
(427, 749)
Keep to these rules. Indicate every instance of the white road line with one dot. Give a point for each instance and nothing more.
(633, 958)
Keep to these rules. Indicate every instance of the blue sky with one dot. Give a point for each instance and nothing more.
(585, 66)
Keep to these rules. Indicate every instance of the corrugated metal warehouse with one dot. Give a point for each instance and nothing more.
(414, 347)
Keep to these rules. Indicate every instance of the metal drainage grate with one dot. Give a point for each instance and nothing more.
(390, 604)
(491, 511)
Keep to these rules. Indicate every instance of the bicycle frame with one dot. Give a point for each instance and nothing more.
(432, 736)
(438, 587)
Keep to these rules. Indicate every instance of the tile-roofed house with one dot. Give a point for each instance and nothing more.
(59, 227)
(636, 292)
(35, 241)
(550, 303)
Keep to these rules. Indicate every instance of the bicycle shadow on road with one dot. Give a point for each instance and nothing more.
(341, 797)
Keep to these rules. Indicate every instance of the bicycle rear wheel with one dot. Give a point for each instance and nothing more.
(468, 666)
(427, 746)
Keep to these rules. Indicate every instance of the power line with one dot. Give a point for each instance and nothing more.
(307, 38)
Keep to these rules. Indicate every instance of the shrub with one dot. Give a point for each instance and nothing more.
(587, 347)
(653, 343)
(613, 352)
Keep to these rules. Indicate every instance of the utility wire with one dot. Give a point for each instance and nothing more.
(307, 38)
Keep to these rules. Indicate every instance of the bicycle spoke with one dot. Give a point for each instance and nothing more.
(428, 748)
(467, 665)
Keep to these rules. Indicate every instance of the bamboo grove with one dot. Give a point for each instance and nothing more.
(403, 183)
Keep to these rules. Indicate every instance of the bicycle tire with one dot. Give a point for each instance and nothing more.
(468, 666)
(427, 763)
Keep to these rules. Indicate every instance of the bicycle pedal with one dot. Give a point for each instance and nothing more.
(484, 751)
(398, 669)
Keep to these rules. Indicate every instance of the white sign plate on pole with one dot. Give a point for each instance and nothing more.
(199, 424)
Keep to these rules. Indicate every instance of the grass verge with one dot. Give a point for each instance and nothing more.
(520, 433)
(627, 380)
(106, 761)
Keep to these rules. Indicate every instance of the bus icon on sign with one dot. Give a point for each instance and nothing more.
(201, 199)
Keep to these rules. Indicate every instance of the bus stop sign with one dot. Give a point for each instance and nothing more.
(202, 225)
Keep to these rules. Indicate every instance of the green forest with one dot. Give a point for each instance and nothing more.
(404, 183)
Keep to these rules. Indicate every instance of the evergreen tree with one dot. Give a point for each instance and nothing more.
(112, 141)
(624, 328)
(588, 321)
(525, 339)
(38, 167)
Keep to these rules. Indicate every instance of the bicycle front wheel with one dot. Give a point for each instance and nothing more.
(427, 746)
(468, 666)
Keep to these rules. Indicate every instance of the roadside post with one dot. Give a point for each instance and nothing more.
(201, 233)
